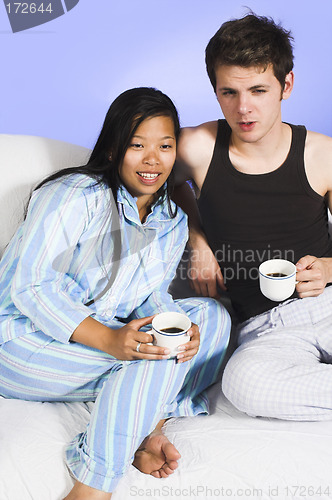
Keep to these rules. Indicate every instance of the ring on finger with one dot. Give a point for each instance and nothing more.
(138, 346)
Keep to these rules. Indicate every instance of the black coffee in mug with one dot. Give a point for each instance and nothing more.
(171, 330)
(277, 275)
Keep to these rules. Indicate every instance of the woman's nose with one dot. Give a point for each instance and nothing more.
(151, 158)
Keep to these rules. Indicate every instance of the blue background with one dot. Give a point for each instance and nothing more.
(58, 79)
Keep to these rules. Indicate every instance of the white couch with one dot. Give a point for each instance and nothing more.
(225, 455)
(25, 160)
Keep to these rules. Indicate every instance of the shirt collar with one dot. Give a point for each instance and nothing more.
(159, 211)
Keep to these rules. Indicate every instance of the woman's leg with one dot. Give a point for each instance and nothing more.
(157, 456)
(81, 491)
(37, 368)
(214, 325)
(131, 397)
(130, 404)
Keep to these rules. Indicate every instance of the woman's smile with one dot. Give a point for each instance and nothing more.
(149, 159)
(148, 178)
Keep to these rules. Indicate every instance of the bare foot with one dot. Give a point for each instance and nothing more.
(157, 456)
(81, 491)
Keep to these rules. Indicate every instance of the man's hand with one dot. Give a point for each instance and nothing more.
(203, 269)
(313, 274)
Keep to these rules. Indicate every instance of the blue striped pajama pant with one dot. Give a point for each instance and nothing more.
(130, 396)
(283, 366)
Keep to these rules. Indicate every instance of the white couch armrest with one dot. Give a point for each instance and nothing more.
(26, 160)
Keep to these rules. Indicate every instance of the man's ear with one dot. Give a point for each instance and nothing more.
(289, 84)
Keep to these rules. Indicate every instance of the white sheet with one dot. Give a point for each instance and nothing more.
(225, 455)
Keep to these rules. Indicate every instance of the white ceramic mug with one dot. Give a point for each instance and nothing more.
(277, 279)
(169, 329)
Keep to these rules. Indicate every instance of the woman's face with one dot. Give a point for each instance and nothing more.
(149, 159)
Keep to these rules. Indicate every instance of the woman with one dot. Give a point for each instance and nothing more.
(84, 274)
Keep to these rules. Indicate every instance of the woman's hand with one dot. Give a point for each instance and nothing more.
(188, 350)
(124, 342)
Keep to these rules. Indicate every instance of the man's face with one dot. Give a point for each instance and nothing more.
(250, 99)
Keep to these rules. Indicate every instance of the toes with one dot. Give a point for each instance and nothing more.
(164, 471)
(156, 474)
(163, 474)
(172, 465)
(157, 456)
(167, 469)
(170, 452)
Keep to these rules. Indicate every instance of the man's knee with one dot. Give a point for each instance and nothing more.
(254, 381)
(242, 382)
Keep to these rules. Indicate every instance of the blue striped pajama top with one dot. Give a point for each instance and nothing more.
(73, 244)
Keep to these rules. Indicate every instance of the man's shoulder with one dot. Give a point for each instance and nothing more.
(316, 139)
(318, 148)
(205, 133)
(318, 161)
(195, 149)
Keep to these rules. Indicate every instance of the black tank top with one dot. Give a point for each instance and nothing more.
(251, 218)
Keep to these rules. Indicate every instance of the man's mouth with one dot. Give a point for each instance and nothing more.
(246, 126)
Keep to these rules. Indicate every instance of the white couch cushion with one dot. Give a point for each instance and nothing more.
(25, 160)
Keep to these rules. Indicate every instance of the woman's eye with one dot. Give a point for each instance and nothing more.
(166, 146)
(136, 145)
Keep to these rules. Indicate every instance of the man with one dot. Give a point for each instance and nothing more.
(263, 186)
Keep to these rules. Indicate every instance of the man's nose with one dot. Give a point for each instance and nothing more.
(244, 106)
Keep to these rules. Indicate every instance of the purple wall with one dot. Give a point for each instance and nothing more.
(58, 79)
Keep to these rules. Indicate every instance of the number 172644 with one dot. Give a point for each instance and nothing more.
(29, 8)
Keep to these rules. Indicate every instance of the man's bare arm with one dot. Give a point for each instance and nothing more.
(314, 273)
(194, 154)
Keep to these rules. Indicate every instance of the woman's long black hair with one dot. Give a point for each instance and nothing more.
(123, 118)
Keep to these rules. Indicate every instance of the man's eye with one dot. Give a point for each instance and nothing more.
(166, 146)
(228, 92)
